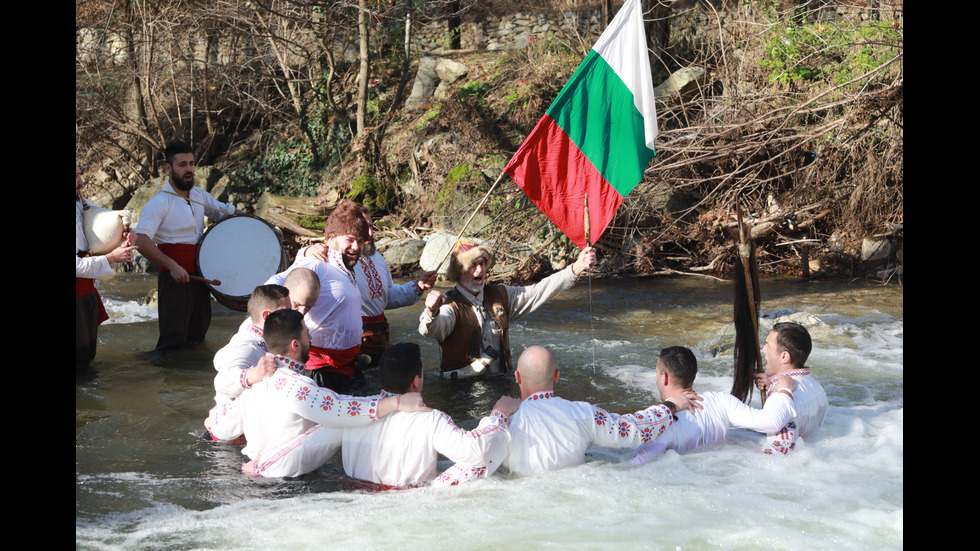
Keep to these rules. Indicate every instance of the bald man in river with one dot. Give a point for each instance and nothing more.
(549, 432)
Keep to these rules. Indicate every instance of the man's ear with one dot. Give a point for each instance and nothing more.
(557, 374)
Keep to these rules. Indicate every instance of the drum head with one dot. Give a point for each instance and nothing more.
(242, 252)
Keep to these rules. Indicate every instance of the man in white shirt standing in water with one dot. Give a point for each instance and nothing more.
(676, 369)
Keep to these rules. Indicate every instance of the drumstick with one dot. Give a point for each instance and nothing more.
(208, 281)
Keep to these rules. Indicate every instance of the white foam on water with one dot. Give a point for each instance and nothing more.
(127, 311)
(842, 488)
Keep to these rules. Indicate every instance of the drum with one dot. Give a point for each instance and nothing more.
(242, 252)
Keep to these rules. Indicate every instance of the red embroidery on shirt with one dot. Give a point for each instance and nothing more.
(372, 277)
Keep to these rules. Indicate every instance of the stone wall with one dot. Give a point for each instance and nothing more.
(511, 32)
(486, 32)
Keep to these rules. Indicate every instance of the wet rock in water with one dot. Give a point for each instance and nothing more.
(724, 342)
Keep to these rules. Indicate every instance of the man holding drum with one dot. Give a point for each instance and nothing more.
(170, 227)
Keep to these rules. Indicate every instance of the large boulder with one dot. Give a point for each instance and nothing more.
(434, 77)
(402, 255)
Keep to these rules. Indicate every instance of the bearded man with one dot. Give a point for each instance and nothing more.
(471, 321)
(334, 320)
(171, 225)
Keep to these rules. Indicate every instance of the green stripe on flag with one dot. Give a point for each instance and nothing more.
(596, 111)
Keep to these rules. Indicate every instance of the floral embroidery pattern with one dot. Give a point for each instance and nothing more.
(303, 393)
(373, 279)
(290, 364)
(646, 434)
(455, 475)
(783, 441)
(600, 417)
(354, 408)
(624, 429)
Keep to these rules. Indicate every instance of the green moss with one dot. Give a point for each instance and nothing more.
(426, 117)
(458, 174)
(313, 222)
(370, 192)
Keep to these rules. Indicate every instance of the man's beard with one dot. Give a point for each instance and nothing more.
(183, 183)
(304, 355)
(350, 259)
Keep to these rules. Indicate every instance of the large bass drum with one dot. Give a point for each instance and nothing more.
(242, 252)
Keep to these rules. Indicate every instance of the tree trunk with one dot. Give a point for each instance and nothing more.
(659, 32)
(362, 75)
(454, 31)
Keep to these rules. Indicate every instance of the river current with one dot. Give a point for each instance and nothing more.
(145, 480)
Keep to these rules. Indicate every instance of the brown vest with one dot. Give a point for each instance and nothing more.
(462, 346)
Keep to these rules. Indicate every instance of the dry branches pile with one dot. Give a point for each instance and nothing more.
(815, 157)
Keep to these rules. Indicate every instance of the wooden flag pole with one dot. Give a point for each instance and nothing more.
(746, 317)
(467, 224)
(587, 224)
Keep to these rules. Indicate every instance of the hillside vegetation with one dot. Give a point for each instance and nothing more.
(797, 117)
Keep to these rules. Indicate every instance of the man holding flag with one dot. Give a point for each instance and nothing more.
(471, 321)
(595, 141)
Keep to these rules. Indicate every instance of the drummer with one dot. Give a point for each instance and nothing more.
(169, 229)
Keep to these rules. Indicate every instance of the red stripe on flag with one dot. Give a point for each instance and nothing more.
(556, 175)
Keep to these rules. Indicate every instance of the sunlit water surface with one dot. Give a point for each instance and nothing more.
(144, 480)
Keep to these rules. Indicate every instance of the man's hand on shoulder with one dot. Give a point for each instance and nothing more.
(507, 405)
(266, 367)
(686, 400)
(317, 251)
(785, 383)
(412, 401)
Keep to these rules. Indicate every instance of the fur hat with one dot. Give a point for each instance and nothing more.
(347, 219)
(465, 257)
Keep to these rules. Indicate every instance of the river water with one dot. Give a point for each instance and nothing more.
(144, 480)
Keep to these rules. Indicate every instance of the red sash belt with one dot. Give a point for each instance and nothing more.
(374, 336)
(374, 322)
(183, 254)
(374, 319)
(339, 361)
(85, 286)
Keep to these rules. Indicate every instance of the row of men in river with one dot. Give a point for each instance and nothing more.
(283, 382)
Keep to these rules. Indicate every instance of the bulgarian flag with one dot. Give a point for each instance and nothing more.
(596, 139)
